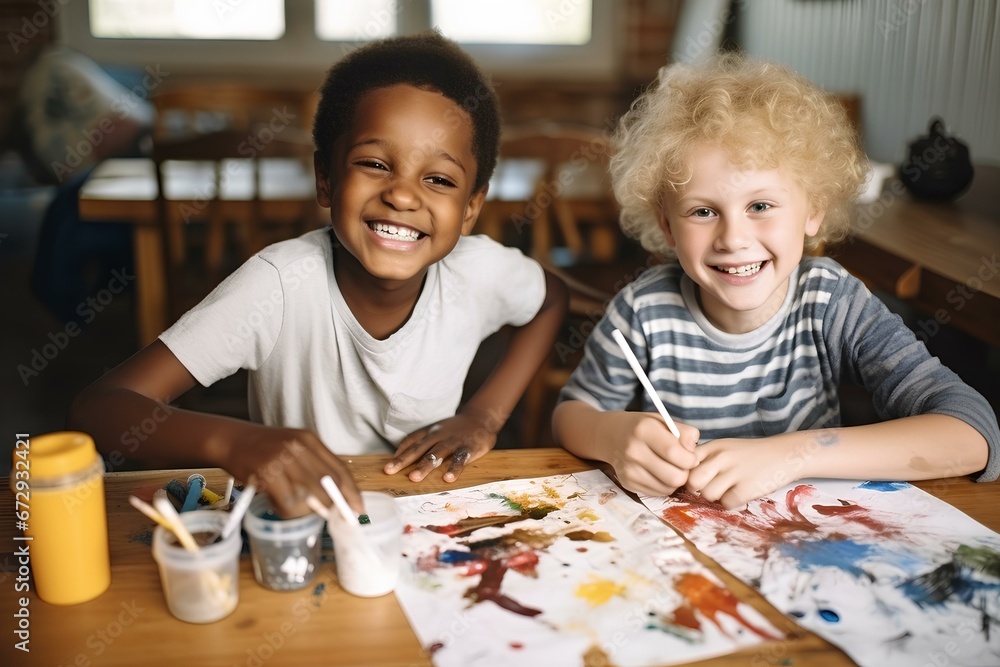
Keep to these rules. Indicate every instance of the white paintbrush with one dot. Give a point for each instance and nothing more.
(644, 380)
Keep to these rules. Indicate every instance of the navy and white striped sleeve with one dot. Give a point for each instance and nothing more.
(881, 353)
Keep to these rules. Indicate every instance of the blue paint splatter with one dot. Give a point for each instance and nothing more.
(829, 615)
(884, 486)
(842, 554)
(452, 556)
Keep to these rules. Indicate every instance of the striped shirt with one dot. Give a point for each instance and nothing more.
(781, 377)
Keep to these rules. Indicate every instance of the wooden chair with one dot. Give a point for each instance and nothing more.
(256, 116)
(183, 111)
(552, 193)
(193, 229)
(552, 198)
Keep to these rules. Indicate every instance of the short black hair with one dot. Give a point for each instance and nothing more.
(426, 60)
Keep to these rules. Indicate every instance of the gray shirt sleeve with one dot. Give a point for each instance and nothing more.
(878, 351)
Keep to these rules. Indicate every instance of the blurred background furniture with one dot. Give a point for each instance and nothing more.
(551, 197)
(193, 234)
(125, 190)
(182, 111)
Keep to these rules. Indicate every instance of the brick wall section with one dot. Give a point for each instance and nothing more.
(648, 38)
(648, 32)
(26, 26)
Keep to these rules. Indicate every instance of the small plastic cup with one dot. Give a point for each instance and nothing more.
(285, 552)
(357, 572)
(200, 587)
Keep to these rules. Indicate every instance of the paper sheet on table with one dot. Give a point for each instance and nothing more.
(889, 573)
(560, 570)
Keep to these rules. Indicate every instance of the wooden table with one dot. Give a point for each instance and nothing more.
(123, 190)
(939, 256)
(319, 625)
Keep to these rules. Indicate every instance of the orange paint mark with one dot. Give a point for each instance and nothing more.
(706, 597)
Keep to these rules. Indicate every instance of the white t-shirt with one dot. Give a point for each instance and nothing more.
(311, 365)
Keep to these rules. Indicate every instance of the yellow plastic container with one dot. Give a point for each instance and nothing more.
(58, 483)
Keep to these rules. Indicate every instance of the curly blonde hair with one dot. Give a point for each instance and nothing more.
(763, 114)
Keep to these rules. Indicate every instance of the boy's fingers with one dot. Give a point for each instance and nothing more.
(427, 463)
(410, 449)
(459, 460)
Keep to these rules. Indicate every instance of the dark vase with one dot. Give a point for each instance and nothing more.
(938, 165)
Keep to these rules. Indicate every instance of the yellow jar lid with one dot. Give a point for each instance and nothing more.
(61, 453)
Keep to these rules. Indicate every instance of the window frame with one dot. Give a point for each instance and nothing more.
(301, 54)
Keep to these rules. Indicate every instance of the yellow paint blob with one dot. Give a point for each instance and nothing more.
(588, 515)
(598, 591)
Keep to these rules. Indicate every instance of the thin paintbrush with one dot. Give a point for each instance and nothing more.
(644, 380)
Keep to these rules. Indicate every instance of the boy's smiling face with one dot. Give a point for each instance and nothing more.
(400, 182)
(738, 233)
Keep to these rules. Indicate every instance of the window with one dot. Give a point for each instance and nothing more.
(297, 40)
(513, 21)
(187, 19)
(356, 20)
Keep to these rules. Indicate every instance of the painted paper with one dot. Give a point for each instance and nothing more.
(889, 573)
(560, 570)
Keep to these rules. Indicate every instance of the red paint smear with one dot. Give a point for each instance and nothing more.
(857, 514)
(523, 563)
(475, 567)
(517, 646)
(711, 600)
(489, 589)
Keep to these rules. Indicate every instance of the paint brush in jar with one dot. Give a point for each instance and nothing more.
(239, 509)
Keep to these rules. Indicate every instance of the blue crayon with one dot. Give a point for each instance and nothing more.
(196, 483)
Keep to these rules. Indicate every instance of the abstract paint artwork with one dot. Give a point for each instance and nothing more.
(885, 571)
(560, 570)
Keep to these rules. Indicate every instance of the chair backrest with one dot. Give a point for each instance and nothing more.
(210, 182)
(558, 174)
(203, 108)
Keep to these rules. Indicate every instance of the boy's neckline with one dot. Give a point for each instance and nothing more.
(375, 324)
(749, 339)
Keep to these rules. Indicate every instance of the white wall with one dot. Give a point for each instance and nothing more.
(908, 59)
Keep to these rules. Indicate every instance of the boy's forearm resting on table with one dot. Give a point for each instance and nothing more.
(735, 471)
(128, 413)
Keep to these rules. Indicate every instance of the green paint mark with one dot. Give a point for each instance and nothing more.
(515, 506)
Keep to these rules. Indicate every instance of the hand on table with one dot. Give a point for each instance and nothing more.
(455, 441)
(287, 464)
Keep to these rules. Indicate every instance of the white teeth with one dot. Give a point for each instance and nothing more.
(394, 232)
(745, 270)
